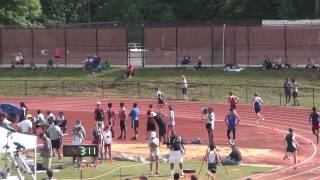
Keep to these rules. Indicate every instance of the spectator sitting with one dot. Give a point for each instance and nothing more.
(199, 64)
(267, 63)
(19, 59)
(106, 66)
(186, 60)
(287, 62)
(311, 64)
(50, 63)
(130, 71)
(234, 157)
(277, 63)
(33, 66)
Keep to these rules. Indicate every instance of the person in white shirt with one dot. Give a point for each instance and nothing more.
(294, 87)
(256, 105)
(4, 121)
(160, 98)
(25, 126)
(50, 114)
(210, 124)
(78, 139)
(55, 136)
(184, 86)
(153, 144)
(40, 119)
(172, 122)
(19, 59)
(212, 160)
(107, 139)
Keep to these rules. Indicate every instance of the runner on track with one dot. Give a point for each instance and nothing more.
(256, 105)
(314, 120)
(291, 147)
(160, 98)
(233, 100)
(232, 120)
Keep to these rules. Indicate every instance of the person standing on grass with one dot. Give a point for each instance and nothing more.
(135, 120)
(111, 118)
(55, 135)
(232, 120)
(256, 105)
(212, 160)
(233, 100)
(184, 86)
(287, 90)
(160, 120)
(151, 126)
(99, 114)
(177, 151)
(291, 147)
(123, 116)
(294, 87)
(154, 144)
(77, 139)
(171, 122)
(210, 124)
(107, 139)
(314, 119)
(97, 140)
(46, 151)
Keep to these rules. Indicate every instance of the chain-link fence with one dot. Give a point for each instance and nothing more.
(216, 93)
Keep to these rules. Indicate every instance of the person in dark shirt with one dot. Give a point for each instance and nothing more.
(287, 90)
(160, 120)
(234, 157)
(291, 147)
(99, 114)
(314, 120)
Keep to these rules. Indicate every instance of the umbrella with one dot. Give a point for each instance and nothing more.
(8, 107)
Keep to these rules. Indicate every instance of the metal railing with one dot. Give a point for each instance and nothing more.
(216, 93)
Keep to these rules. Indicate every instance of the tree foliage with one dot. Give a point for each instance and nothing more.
(22, 12)
(26, 12)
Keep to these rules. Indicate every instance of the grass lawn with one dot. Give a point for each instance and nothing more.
(74, 82)
(125, 169)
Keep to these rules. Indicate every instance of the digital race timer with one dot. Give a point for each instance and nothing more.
(80, 150)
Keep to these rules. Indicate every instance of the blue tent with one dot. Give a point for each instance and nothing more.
(8, 107)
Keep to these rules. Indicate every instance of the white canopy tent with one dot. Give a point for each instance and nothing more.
(8, 138)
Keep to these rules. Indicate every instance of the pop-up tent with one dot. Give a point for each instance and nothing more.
(14, 139)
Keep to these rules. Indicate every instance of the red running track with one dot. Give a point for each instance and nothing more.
(268, 135)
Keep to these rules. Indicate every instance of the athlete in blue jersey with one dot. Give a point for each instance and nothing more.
(256, 105)
(134, 114)
(314, 120)
(232, 120)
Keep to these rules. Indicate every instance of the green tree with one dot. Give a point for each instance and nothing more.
(296, 9)
(53, 11)
(19, 12)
